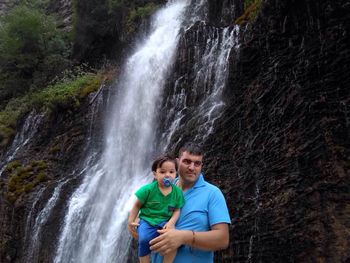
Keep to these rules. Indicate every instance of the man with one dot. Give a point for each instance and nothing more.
(203, 224)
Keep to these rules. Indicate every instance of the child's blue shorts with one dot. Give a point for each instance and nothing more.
(146, 233)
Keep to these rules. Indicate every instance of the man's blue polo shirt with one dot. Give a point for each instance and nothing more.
(204, 206)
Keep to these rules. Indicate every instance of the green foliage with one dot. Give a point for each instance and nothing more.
(248, 3)
(55, 149)
(114, 4)
(138, 14)
(9, 117)
(39, 165)
(41, 177)
(92, 28)
(32, 50)
(251, 9)
(23, 179)
(65, 94)
(12, 165)
(92, 86)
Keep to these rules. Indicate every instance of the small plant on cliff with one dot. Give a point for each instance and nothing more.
(24, 178)
(251, 9)
(138, 14)
(12, 165)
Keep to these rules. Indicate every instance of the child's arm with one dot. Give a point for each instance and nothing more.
(173, 219)
(132, 216)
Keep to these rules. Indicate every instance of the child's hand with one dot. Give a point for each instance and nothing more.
(169, 225)
(132, 228)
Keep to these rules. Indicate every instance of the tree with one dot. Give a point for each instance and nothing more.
(30, 47)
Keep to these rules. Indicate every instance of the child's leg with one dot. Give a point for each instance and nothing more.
(169, 258)
(145, 259)
(146, 233)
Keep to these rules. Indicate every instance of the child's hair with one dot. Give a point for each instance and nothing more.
(157, 163)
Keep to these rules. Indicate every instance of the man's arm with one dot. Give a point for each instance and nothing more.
(170, 239)
(215, 239)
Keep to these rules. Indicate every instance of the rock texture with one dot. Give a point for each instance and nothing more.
(63, 10)
(281, 150)
(6, 5)
(63, 139)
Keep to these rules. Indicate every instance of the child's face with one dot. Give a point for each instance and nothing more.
(167, 169)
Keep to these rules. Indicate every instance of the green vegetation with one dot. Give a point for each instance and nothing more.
(12, 165)
(251, 9)
(55, 149)
(22, 179)
(138, 14)
(32, 50)
(66, 94)
(35, 56)
(113, 4)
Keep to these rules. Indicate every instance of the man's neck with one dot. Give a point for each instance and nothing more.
(183, 185)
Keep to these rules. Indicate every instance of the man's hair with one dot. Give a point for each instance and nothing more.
(158, 162)
(191, 148)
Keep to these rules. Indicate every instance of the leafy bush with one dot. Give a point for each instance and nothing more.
(32, 51)
(65, 94)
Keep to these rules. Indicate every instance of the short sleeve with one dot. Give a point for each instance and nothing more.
(143, 193)
(217, 209)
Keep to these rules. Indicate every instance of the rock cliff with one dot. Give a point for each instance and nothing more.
(279, 151)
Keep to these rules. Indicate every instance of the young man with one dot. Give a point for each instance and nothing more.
(203, 224)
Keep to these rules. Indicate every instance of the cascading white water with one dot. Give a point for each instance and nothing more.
(22, 138)
(36, 220)
(211, 69)
(214, 69)
(95, 219)
(34, 243)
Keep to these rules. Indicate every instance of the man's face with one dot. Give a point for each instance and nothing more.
(190, 167)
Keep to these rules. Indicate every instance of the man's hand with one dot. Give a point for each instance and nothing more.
(169, 240)
(132, 228)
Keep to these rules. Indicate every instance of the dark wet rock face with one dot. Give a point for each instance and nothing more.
(281, 150)
(61, 142)
(224, 12)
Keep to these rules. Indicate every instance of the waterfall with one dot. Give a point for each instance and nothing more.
(209, 73)
(212, 72)
(94, 226)
(37, 219)
(34, 243)
(22, 138)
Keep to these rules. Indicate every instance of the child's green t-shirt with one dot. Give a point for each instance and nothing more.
(156, 207)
